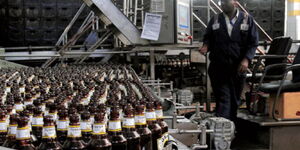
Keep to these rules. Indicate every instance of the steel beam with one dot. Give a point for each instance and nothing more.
(95, 46)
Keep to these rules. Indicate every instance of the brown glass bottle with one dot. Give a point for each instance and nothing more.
(86, 126)
(18, 104)
(99, 139)
(142, 128)
(153, 125)
(102, 108)
(74, 140)
(49, 141)
(160, 117)
(53, 111)
(62, 126)
(28, 99)
(115, 130)
(23, 135)
(130, 133)
(3, 126)
(12, 131)
(37, 125)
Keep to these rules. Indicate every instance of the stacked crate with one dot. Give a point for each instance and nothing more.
(32, 19)
(15, 23)
(48, 22)
(268, 13)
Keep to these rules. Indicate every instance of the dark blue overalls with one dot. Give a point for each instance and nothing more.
(226, 54)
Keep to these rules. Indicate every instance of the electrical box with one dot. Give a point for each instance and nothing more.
(183, 22)
(176, 26)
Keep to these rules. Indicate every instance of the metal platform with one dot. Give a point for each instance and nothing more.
(111, 16)
(263, 130)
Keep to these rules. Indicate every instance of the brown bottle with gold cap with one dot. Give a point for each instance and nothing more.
(49, 141)
(142, 128)
(53, 111)
(86, 126)
(74, 140)
(116, 136)
(3, 126)
(99, 139)
(37, 125)
(153, 125)
(18, 104)
(130, 133)
(12, 131)
(62, 125)
(160, 117)
(23, 135)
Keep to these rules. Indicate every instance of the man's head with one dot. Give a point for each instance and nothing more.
(228, 6)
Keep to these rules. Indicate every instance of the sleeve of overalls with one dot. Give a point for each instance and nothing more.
(252, 39)
(208, 33)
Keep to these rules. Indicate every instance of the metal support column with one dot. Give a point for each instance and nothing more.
(152, 64)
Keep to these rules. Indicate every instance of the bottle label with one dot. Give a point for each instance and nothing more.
(85, 101)
(103, 98)
(92, 119)
(12, 130)
(159, 114)
(23, 133)
(37, 121)
(28, 102)
(108, 110)
(150, 116)
(99, 129)
(22, 89)
(8, 89)
(13, 111)
(3, 126)
(19, 107)
(42, 107)
(74, 131)
(114, 125)
(128, 123)
(49, 132)
(161, 141)
(62, 125)
(140, 120)
(54, 115)
(85, 126)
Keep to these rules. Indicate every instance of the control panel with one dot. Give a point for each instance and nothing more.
(183, 21)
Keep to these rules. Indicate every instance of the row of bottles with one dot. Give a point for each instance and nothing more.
(79, 107)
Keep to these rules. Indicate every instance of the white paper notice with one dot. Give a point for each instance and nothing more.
(151, 27)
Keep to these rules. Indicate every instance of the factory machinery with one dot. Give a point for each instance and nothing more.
(115, 27)
(116, 110)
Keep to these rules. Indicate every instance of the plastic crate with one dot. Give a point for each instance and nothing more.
(15, 11)
(48, 23)
(48, 10)
(32, 11)
(32, 23)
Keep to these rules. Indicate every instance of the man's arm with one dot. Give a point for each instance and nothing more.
(252, 40)
(251, 45)
(207, 37)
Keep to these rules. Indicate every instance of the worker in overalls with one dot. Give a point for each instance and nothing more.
(231, 38)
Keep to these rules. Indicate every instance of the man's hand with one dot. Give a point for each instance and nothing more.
(203, 49)
(243, 66)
